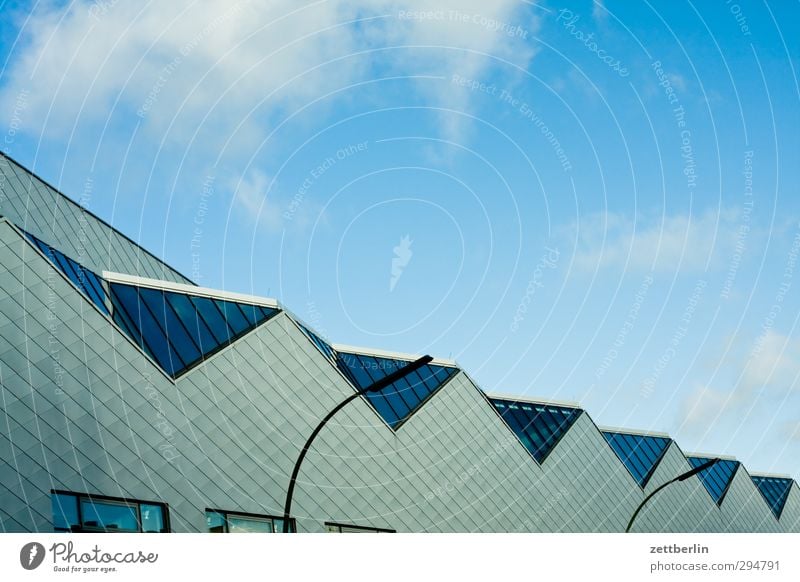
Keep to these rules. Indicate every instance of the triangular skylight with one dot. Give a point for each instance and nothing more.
(178, 329)
(538, 426)
(638, 452)
(84, 279)
(396, 402)
(775, 491)
(717, 479)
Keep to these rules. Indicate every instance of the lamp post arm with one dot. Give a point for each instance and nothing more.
(643, 503)
(374, 387)
(287, 510)
(683, 477)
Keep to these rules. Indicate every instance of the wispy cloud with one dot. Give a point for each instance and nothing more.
(226, 64)
(599, 12)
(768, 374)
(670, 243)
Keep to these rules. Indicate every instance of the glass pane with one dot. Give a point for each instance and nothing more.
(109, 515)
(158, 302)
(215, 522)
(152, 517)
(240, 524)
(154, 339)
(212, 316)
(251, 313)
(197, 328)
(539, 427)
(233, 316)
(65, 511)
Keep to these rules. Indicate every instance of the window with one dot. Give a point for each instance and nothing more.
(219, 521)
(538, 426)
(717, 478)
(84, 279)
(775, 491)
(179, 330)
(344, 528)
(639, 453)
(78, 512)
(396, 402)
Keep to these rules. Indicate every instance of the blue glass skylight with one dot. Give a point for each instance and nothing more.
(538, 426)
(321, 344)
(717, 478)
(180, 330)
(84, 279)
(775, 491)
(396, 402)
(639, 453)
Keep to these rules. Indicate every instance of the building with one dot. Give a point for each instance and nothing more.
(134, 400)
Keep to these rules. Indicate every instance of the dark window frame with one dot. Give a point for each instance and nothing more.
(92, 497)
(264, 516)
(362, 528)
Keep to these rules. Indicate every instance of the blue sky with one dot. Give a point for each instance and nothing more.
(584, 201)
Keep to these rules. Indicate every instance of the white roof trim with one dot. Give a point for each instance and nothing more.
(632, 431)
(772, 475)
(189, 289)
(711, 456)
(386, 354)
(534, 400)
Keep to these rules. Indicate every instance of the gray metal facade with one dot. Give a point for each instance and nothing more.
(85, 410)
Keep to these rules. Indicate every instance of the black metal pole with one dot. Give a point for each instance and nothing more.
(681, 477)
(375, 387)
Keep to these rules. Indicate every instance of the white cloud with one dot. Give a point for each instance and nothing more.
(599, 12)
(774, 362)
(764, 374)
(215, 76)
(678, 242)
(706, 405)
(177, 62)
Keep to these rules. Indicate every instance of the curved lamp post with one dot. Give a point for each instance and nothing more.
(374, 387)
(682, 477)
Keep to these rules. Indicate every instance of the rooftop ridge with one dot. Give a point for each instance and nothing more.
(69, 200)
(534, 400)
(634, 431)
(347, 349)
